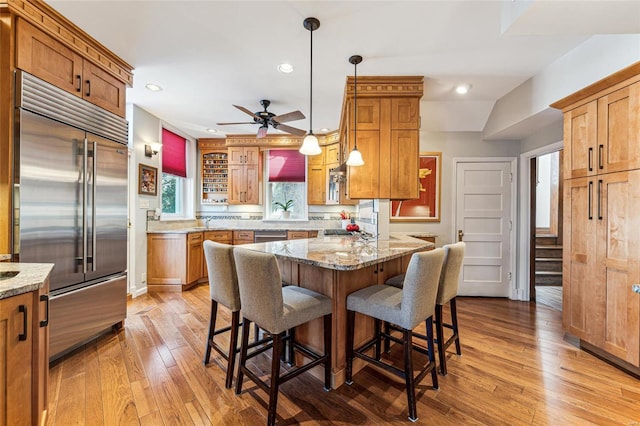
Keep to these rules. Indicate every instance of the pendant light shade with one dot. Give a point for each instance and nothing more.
(355, 156)
(310, 145)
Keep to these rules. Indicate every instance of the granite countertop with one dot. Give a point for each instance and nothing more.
(5, 257)
(420, 234)
(30, 277)
(342, 253)
(252, 228)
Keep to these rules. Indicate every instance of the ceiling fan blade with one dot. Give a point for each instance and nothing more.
(290, 116)
(246, 111)
(243, 122)
(292, 130)
(262, 132)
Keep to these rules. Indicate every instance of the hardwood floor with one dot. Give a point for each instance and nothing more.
(550, 296)
(515, 369)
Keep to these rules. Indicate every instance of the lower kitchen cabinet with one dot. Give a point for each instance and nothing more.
(24, 358)
(174, 261)
(243, 237)
(300, 235)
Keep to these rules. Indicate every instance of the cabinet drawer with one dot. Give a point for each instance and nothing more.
(297, 235)
(243, 235)
(195, 236)
(218, 236)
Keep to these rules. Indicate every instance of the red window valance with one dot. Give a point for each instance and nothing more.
(286, 165)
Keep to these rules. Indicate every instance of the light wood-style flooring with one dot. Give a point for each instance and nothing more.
(516, 369)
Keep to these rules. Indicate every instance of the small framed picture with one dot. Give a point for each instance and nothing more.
(427, 207)
(147, 180)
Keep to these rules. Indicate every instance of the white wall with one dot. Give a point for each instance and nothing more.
(459, 144)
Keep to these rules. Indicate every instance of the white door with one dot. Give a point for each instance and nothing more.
(484, 222)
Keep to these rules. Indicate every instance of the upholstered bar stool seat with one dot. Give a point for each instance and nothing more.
(276, 309)
(405, 308)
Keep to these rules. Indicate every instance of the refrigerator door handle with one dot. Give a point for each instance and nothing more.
(84, 207)
(94, 242)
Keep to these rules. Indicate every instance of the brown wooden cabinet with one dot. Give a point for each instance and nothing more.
(244, 175)
(49, 59)
(224, 237)
(16, 347)
(388, 130)
(243, 237)
(601, 217)
(24, 363)
(174, 261)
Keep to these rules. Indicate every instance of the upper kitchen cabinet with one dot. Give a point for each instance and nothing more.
(54, 61)
(602, 134)
(388, 136)
(244, 175)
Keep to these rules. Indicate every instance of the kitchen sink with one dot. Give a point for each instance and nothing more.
(5, 275)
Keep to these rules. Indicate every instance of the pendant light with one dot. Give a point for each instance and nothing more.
(310, 145)
(355, 157)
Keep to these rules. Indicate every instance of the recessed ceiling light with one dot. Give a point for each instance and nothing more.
(153, 87)
(462, 89)
(212, 131)
(324, 129)
(285, 68)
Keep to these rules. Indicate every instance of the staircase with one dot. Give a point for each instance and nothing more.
(548, 266)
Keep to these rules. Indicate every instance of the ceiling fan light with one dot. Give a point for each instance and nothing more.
(310, 145)
(355, 158)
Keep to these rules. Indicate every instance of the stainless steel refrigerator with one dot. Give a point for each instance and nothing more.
(70, 207)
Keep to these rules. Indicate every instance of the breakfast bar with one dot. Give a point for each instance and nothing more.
(336, 267)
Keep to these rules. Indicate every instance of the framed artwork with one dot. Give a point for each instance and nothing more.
(427, 207)
(147, 180)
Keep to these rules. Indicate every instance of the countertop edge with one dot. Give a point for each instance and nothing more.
(30, 277)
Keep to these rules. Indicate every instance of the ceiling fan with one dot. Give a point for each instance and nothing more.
(266, 118)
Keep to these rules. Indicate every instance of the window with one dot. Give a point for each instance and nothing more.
(286, 171)
(174, 173)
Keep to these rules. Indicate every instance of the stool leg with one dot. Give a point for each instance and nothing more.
(432, 358)
(378, 337)
(290, 348)
(233, 344)
(327, 352)
(408, 373)
(351, 319)
(246, 328)
(440, 337)
(454, 324)
(212, 328)
(275, 378)
(387, 345)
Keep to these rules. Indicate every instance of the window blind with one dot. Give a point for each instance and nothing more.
(174, 151)
(286, 165)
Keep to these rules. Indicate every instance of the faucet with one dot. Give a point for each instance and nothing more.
(206, 221)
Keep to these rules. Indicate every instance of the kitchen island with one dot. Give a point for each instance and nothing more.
(336, 267)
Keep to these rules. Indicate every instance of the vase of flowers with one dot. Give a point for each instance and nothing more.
(285, 207)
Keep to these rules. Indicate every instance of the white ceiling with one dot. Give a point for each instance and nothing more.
(208, 55)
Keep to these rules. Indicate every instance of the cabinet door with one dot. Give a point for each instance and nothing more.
(583, 308)
(236, 155)
(195, 257)
(619, 130)
(166, 259)
(102, 89)
(41, 353)
(316, 185)
(46, 58)
(405, 113)
(252, 191)
(364, 181)
(405, 158)
(252, 155)
(580, 141)
(332, 154)
(16, 360)
(237, 183)
(618, 255)
(368, 117)
(317, 160)
(297, 235)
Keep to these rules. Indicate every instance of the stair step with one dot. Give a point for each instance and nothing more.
(549, 251)
(548, 278)
(547, 240)
(548, 264)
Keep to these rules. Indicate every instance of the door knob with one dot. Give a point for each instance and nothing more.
(460, 234)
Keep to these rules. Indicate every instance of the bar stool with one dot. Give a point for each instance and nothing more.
(223, 289)
(404, 308)
(447, 291)
(276, 309)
